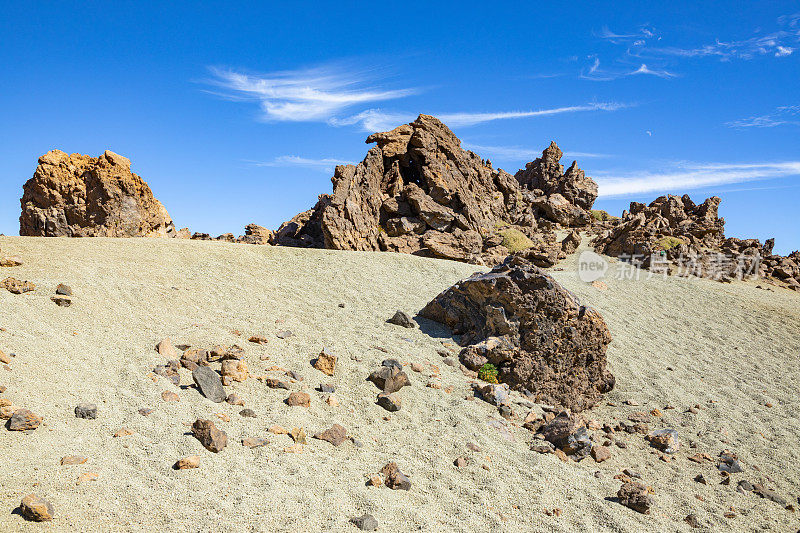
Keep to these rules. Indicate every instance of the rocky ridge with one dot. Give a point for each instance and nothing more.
(418, 192)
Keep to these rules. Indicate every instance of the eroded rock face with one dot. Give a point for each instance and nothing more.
(670, 223)
(81, 196)
(534, 331)
(417, 191)
(677, 235)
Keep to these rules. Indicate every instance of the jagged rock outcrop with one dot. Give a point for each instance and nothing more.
(564, 197)
(417, 191)
(81, 196)
(670, 223)
(537, 334)
(675, 235)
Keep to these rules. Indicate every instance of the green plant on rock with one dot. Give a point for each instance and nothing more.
(488, 373)
(602, 216)
(667, 243)
(515, 240)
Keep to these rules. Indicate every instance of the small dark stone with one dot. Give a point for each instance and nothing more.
(506, 411)
(336, 435)
(274, 383)
(365, 522)
(64, 290)
(327, 388)
(86, 410)
(209, 383)
(294, 375)
(729, 463)
(578, 445)
(212, 438)
(389, 401)
(744, 486)
(693, 521)
(248, 413)
(61, 301)
(169, 372)
(635, 496)
(769, 494)
(394, 478)
(401, 319)
(700, 479)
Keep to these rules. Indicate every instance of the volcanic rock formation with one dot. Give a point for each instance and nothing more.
(419, 192)
(81, 196)
(677, 235)
(537, 334)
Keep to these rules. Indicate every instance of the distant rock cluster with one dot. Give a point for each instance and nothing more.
(675, 235)
(419, 192)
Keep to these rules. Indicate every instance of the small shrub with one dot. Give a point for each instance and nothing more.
(602, 216)
(667, 243)
(515, 240)
(488, 373)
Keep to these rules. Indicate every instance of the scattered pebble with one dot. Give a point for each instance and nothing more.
(73, 460)
(401, 319)
(170, 396)
(336, 435)
(389, 401)
(23, 420)
(234, 399)
(635, 496)
(301, 399)
(394, 478)
(254, 442)
(190, 461)
(36, 509)
(209, 383)
(212, 438)
(325, 362)
(365, 522)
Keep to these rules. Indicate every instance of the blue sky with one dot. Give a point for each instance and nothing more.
(238, 113)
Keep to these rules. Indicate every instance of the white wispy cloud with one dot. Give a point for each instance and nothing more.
(646, 46)
(783, 115)
(687, 176)
(776, 44)
(652, 72)
(595, 73)
(324, 164)
(325, 94)
(518, 153)
(373, 120)
(313, 94)
(378, 120)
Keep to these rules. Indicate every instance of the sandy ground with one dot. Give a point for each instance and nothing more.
(729, 348)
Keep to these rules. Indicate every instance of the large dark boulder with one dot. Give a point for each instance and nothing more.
(537, 333)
